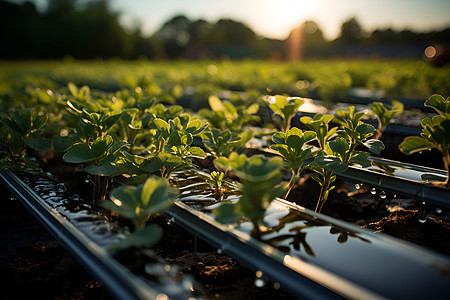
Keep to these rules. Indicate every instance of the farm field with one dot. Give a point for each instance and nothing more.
(231, 142)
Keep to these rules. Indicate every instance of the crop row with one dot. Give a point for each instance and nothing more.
(327, 80)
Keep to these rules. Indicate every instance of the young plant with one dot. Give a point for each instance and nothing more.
(215, 180)
(21, 130)
(220, 143)
(224, 115)
(101, 156)
(139, 204)
(435, 134)
(260, 177)
(385, 113)
(292, 146)
(286, 108)
(339, 153)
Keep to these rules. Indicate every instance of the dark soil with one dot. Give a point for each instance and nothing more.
(33, 265)
(221, 276)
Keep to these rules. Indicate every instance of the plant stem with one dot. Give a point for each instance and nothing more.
(323, 190)
(290, 186)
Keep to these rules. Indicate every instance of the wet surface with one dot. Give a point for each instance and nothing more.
(104, 232)
(372, 260)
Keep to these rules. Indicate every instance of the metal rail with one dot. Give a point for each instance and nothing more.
(117, 279)
(378, 257)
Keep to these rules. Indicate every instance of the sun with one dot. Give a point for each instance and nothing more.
(292, 11)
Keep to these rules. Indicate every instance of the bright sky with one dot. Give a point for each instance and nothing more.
(276, 18)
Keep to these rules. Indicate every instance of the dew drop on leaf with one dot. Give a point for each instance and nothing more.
(357, 186)
(373, 191)
(383, 195)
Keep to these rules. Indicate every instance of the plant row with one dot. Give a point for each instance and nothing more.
(137, 141)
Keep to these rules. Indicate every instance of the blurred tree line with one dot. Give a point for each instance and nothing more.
(93, 30)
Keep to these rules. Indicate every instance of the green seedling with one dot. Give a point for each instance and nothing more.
(260, 177)
(92, 125)
(385, 113)
(292, 146)
(220, 143)
(173, 148)
(224, 115)
(320, 125)
(435, 134)
(101, 157)
(176, 135)
(215, 180)
(139, 204)
(161, 164)
(286, 108)
(21, 130)
(341, 152)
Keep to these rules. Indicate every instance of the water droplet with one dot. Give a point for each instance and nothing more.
(422, 218)
(357, 186)
(373, 191)
(167, 268)
(276, 285)
(259, 274)
(395, 196)
(439, 210)
(169, 222)
(383, 195)
(86, 180)
(219, 251)
(259, 282)
(423, 203)
(60, 187)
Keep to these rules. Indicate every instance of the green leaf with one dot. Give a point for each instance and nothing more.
(23, 119)
(145, 237)
(374, 146)
(360, 158)
(38, 144)
(225, 214)
(413, 144)
(11, 125)
(196, 152)
(104, 169)
(441, 105)
(101, 145)
(62, 143)
(339, 145)
(331, 163)
(79, 153)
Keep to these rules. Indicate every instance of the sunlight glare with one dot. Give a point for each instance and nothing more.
(290, 13)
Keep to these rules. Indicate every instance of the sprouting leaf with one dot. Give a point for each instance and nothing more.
(441, 105)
